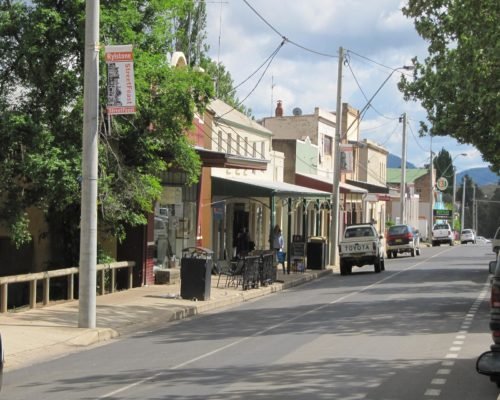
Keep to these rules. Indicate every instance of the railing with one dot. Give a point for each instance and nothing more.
(70, 273)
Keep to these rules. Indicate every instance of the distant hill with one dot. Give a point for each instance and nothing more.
(481, 176)
(394, 161)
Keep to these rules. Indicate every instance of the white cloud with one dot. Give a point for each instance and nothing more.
(375, 33)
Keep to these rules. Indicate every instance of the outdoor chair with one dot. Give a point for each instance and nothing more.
(232, 271)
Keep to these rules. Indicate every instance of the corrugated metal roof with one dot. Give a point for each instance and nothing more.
(394, 174)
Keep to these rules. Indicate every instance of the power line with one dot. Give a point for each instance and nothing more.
(415, 138)
(270, 59)
(363, 93)
(285, 38)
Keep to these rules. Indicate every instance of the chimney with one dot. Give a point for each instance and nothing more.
(279, 109)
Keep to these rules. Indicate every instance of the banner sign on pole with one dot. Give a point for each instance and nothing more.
(121, 85)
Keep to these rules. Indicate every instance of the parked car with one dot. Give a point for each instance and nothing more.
(442, 233)
(361, 245)
(467, 236)
(402, 239)
(488, 363)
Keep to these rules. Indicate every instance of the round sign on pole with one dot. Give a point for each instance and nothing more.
(442, 183)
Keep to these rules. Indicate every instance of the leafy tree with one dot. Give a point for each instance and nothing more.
(225, 89)
(41, 89)
(458, 83)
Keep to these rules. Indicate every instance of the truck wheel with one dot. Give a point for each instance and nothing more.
(378, 265)
(343, 270)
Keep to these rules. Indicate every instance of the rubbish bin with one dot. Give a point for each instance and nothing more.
(316, 253)
(196, 273)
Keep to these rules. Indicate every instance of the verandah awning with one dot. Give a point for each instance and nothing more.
(259, 188)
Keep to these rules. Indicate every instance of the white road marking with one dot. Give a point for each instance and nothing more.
(455, 349)
(443, 371)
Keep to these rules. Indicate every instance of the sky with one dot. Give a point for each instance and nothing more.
(302, 73)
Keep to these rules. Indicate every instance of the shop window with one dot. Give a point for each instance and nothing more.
(327, 145)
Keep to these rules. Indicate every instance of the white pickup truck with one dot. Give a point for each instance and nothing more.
(442, 233)
(361, 245)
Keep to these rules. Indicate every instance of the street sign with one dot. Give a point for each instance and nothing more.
(442, 214)
(442, 183)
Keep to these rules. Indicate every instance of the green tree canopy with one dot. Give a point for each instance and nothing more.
(444, 168)
(458, 83)
(41, 90)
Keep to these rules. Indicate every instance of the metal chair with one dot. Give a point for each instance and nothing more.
(232, 271)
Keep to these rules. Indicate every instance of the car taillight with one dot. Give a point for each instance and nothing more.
(409, 236)
(495, 297)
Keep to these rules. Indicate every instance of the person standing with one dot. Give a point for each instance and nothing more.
(278, 244)
(242, 243)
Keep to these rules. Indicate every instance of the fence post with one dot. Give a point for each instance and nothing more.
(113, 280)
(130, 277)
(4, 289)
(46, 291)
(71, 287)
(103, 288)
(33, 293)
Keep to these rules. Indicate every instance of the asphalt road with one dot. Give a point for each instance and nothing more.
(411, 332)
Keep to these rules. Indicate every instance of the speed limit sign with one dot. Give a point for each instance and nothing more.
(442, 183)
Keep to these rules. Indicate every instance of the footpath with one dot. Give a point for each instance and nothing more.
(49, 332)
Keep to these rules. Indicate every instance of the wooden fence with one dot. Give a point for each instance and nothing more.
(70, 274)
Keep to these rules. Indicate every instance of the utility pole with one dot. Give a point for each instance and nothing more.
(463, 206)
(454, 191)
(431, 195)
(334, 214)
(474, 210)
(403, 174)
(88, 222)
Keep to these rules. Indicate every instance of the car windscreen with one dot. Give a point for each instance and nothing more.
(358, 232)
(398, 230)
(441, 226)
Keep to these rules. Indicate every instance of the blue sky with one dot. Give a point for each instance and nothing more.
(377, 37)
